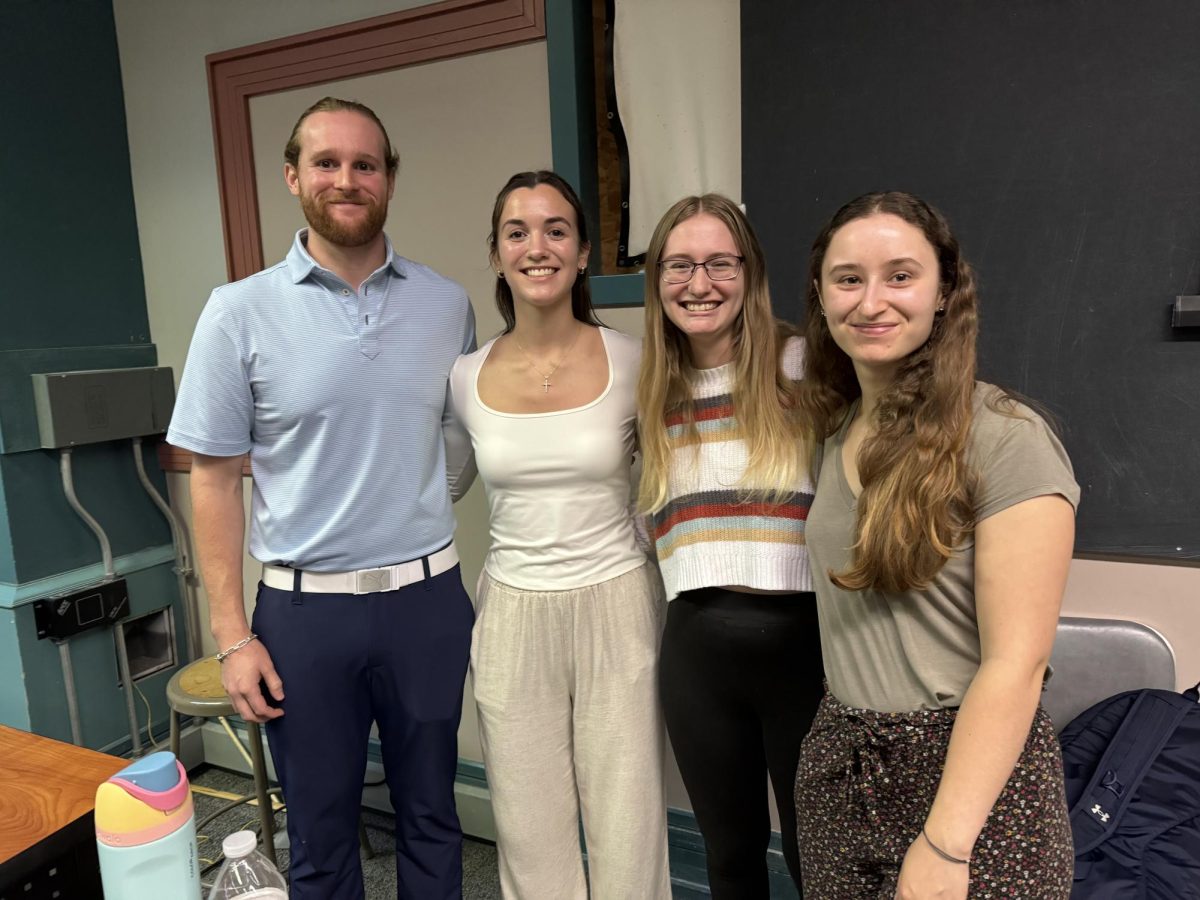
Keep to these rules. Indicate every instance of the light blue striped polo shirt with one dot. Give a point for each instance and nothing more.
(341, 401)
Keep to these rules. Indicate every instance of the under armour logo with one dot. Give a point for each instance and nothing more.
(1098, 811)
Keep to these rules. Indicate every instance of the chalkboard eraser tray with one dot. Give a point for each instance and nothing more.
(1186, 312)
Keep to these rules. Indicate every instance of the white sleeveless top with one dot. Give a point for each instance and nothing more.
(558, 483)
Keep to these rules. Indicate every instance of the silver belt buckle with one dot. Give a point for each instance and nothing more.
(374, 581)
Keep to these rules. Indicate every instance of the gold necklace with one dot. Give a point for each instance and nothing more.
(546, 385)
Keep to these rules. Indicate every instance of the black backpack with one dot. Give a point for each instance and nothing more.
(1132, 765)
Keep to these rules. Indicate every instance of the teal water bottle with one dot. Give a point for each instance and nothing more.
(146, 832)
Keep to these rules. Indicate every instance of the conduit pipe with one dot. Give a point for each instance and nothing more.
(135, 736)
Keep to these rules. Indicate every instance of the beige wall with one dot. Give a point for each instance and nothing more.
(1167, 598)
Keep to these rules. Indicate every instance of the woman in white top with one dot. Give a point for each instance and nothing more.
(569, 611)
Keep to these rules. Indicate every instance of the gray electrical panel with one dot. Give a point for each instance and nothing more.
(96, 405)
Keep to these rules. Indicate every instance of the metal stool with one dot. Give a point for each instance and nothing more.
(195, 690)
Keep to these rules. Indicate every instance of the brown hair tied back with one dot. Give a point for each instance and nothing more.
(581, 292)
(291, 152)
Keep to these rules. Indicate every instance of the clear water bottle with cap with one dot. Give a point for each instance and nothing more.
(247, 874)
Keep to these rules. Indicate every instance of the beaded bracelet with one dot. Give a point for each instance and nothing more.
(942, 853)
(220, 657)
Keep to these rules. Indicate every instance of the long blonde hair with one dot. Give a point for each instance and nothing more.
(917, 489)
(763, 394)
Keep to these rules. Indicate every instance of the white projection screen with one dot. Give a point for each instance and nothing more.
(677, 77)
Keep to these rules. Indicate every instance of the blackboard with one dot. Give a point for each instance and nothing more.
(1062, 140)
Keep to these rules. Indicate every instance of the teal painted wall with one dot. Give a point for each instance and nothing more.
(67, 225)
(48, 537)
(74, 299)
(18, 413)
(14, 706)
(8, 568)
(103, 717)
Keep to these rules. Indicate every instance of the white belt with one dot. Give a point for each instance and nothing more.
(364, 581)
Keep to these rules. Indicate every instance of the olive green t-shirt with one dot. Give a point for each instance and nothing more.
(920, 649)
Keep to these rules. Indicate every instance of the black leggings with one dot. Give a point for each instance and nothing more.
(741, 678)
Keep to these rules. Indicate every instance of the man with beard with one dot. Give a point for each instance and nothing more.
(330, 369)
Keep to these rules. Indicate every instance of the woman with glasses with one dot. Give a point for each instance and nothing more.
(940, 536)
(726, 484)
(569, 610)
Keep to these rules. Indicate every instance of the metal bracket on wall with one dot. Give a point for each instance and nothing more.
(1186, 312)
(67, 615)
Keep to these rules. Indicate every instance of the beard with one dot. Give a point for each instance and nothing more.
(316, 211)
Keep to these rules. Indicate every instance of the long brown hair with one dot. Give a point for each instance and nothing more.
(581, 292)
(917, 489)
(763, 395)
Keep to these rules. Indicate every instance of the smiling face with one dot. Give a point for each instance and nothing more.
(706, 311)
(880, 290)
(538, 250)
(341, 177)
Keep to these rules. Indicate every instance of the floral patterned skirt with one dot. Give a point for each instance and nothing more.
(864, 786)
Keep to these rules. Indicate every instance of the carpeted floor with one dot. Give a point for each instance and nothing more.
(480, 878)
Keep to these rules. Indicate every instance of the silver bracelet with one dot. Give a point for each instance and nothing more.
(942, 853)
(220, 657)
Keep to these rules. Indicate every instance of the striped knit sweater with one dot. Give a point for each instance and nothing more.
(707, 535)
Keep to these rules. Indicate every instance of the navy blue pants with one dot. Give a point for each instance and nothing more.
(398, 658)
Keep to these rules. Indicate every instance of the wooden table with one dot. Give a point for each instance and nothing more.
(47, 794)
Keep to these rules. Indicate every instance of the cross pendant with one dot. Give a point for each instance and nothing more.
(545, 384)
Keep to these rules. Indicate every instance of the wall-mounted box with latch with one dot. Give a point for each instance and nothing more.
(95, 405)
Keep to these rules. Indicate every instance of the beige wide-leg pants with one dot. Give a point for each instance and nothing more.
(569, 718)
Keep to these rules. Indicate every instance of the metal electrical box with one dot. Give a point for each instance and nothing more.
(95, 405)
(69, 614)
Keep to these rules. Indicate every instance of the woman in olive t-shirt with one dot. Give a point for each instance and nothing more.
(940, 538)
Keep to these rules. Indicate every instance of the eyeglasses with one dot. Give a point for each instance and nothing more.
(719, 268)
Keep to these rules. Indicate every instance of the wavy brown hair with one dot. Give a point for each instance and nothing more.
(917, 489)
(763, 395)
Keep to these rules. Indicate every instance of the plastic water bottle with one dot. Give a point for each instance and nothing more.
(247, 874)
(146, 832)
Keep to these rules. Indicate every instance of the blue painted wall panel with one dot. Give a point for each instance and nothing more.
(8, 568)
(14, 707)
(73, 269)
(105, 722)
(48, 537)
(73, 298)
